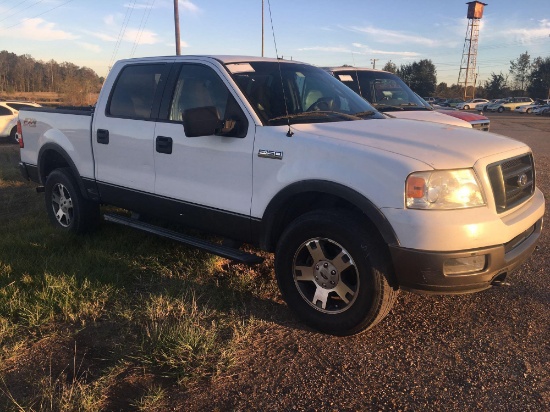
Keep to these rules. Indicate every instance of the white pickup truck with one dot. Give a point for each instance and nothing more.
(282, 155)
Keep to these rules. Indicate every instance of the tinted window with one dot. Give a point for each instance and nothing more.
(18, 106)
(198, 86)
(134, 91)
(5, 111)
(381, 89)
(297, 93)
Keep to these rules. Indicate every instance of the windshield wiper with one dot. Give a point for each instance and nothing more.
(320, 113)
(384, 107)
(365, 113)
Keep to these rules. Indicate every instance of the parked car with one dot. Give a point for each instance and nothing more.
(531, 107)
(430, 100)
(8, 117)
(542, 109)
(510, 104)
(390, 95)
(470, 103)
(477, 121)
(481, 107)
(450, 102)
(281, 155)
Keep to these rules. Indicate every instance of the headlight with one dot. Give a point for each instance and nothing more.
(443, 189)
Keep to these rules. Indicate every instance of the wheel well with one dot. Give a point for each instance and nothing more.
(49, 161)
(302, 203)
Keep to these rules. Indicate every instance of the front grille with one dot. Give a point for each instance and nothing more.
(512, 180)
(481, 126)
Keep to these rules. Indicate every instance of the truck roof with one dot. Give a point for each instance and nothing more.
(351, 68)
(226, 59)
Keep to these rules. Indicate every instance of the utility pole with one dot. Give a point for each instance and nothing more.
(262, 28)
(373, 61)
(177, 27)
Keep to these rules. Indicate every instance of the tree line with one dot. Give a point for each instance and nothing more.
(525, 77)
(26, 74)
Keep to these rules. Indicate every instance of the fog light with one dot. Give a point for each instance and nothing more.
(463, 265)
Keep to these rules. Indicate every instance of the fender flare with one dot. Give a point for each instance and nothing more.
(61, 152)
(269, 219)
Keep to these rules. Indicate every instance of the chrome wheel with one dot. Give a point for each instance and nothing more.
(62, 205)
(325, 275)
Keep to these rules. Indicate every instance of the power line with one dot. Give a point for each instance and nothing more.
(38, 15)
(19, 11)
(122, 32)
(142, 25)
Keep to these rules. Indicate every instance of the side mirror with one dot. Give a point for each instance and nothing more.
(201, 121)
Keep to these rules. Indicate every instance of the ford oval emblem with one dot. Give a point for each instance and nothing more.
(522, 180)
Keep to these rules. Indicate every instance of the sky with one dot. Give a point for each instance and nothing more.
(95, 33)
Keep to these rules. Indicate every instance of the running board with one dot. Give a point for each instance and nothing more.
(204, 245)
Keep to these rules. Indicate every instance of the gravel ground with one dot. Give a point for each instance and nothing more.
(487, 351)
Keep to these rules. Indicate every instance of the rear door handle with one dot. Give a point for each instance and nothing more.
(102, 136)
(164, 144)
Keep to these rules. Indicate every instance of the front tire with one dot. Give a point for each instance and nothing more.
(334, 272)
(500, 109)
(66, 207)
(466, 107)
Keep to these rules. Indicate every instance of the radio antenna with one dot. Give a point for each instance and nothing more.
(290, 133)
(356, 74)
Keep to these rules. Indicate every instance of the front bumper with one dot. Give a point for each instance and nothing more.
(422, 271)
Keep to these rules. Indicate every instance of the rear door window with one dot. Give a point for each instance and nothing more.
(135, 91)
(4, 111)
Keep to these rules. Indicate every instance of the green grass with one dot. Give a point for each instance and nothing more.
(133, 301)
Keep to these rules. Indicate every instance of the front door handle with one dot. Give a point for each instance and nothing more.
(102, 136)
(164, 144)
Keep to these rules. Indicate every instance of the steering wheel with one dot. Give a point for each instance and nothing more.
(321, 105)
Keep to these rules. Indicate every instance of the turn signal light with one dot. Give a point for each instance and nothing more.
(415, 187)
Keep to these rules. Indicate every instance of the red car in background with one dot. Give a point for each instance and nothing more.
(477, 121)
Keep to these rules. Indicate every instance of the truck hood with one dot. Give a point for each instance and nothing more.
(466, 116)
(429, 116)
(440, 146)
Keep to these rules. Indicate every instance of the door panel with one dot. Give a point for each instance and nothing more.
(124, 128)
(212, 171)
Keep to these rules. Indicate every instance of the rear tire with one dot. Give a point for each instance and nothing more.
(13, 135)
(466, 107)
(334, 272)
(500, 109)
(66, 207)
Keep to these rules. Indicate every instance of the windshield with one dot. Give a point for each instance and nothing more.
(283, 93)
(385, 91)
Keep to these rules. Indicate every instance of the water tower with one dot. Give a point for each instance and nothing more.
(467, 76)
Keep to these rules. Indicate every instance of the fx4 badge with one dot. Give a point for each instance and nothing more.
(29, 122)
(270, 154)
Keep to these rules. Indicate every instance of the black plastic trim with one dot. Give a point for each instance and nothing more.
(210, 247)
(210, 220)
(270, 217)
(421, 271)
(29, 172)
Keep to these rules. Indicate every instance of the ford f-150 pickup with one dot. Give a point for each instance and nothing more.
(281, 155)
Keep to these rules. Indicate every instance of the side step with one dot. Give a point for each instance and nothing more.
(204, 245)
